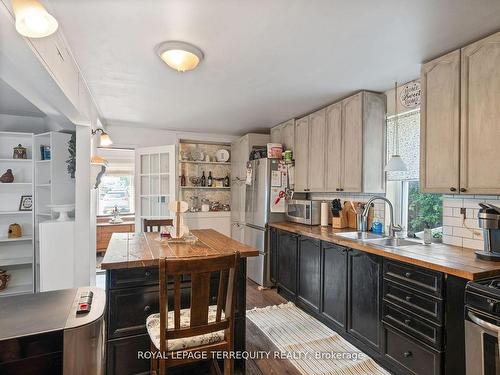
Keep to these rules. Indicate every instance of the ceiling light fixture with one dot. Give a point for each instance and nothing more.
(180, 56)
(395, 163)
(32, 19)
(104, 139)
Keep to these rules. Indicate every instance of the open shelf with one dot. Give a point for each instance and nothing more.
(15, 261)
(18, 239)
(43, 161)
(15, 212)
(205, 162)
(16, 289)
(206, 187)
(16, 184)
(16, 160)
(43, 185)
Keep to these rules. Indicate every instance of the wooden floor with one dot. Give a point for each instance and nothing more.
(256, 341)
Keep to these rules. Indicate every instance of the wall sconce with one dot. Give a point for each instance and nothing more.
(104, 139)
(98, 169)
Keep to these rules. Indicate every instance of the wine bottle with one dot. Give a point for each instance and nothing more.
(226, 181)
(209, 179)
(203, 179)
(183, 180)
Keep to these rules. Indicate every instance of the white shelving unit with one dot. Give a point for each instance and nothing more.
(17, 254)
(53, 184)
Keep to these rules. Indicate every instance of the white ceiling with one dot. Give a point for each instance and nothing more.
(265, 60)
(13, 103)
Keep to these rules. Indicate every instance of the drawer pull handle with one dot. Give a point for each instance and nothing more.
(147, 309)
(408, 299)
(407, 275)
(407, 322)
(407, 354)
(147, 273)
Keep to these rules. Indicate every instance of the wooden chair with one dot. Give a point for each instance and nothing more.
(201, 328)
(150, 225)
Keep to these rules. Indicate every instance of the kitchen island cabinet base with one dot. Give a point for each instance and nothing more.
(126, 338)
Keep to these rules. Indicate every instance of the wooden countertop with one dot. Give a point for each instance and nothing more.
(130, 250)
(449, 259)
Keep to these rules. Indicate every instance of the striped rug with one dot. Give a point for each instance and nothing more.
(311, 347)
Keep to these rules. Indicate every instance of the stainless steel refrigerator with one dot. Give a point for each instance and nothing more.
(261, 192)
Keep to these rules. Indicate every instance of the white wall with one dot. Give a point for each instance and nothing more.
(132, 137)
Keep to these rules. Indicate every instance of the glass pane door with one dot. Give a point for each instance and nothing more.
(156, 182)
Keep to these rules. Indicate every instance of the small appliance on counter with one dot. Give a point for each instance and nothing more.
(57, 332)
(482, 326)
(303, 211)
(489, 220)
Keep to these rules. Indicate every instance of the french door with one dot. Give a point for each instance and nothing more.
(154, 183)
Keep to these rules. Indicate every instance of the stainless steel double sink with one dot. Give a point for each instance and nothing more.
(378, 239)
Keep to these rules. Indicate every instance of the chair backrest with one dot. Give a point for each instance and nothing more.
(200, 272)
(151, 225)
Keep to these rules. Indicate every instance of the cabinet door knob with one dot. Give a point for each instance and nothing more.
(341, 189)
(463, 190)
(147, 309)
(407, 322)
(408, 298)
(147, 273)
(337, 189)
(453, 189)
(407, 275)
(407, 354)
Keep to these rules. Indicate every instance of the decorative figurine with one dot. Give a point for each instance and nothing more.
(15, 231)
(4, 279)
(7, 177)
(19, 152)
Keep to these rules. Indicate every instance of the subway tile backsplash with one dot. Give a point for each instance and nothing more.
(460, 231)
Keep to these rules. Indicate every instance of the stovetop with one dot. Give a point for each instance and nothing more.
(484, 295)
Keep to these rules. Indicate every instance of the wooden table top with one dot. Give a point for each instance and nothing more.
(452, 260)
(131, 250)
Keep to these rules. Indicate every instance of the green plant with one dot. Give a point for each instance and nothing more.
(423, 208)
(71, 162)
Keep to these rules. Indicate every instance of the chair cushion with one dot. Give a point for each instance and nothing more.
(153, 327)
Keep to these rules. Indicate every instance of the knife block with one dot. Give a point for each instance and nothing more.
(341, 221)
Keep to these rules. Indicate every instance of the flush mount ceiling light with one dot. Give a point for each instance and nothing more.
(104, 139)
(180, 56)
(32, 19)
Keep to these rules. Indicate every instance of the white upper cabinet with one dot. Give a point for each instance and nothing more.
(352, 132)
(285, 134)
(440, 124)
(460, 109)
(302, 154)
(480, 117)
(341, 148)
(316, 159)
(334, 150)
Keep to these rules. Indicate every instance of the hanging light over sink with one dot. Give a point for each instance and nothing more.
(395, 163)
(32, 19)
(180, 56)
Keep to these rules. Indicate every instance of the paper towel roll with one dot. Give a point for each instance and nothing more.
(324, 214)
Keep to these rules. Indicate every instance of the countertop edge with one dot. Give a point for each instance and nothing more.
(389, 253)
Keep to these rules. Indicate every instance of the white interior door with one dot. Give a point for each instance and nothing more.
(154, 183)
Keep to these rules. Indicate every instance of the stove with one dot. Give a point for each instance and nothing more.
(482, 327)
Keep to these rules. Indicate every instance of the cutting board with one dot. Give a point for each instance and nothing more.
(351, 214)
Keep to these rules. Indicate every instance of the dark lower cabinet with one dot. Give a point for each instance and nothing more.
(287, 263)
(365, 297)
(334, 285)
(309, 275)
(408, 318)
(123, 355)
(413, 357)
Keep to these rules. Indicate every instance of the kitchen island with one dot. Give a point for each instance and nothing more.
(132, 289)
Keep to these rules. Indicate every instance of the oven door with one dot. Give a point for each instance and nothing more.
(481, 344)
